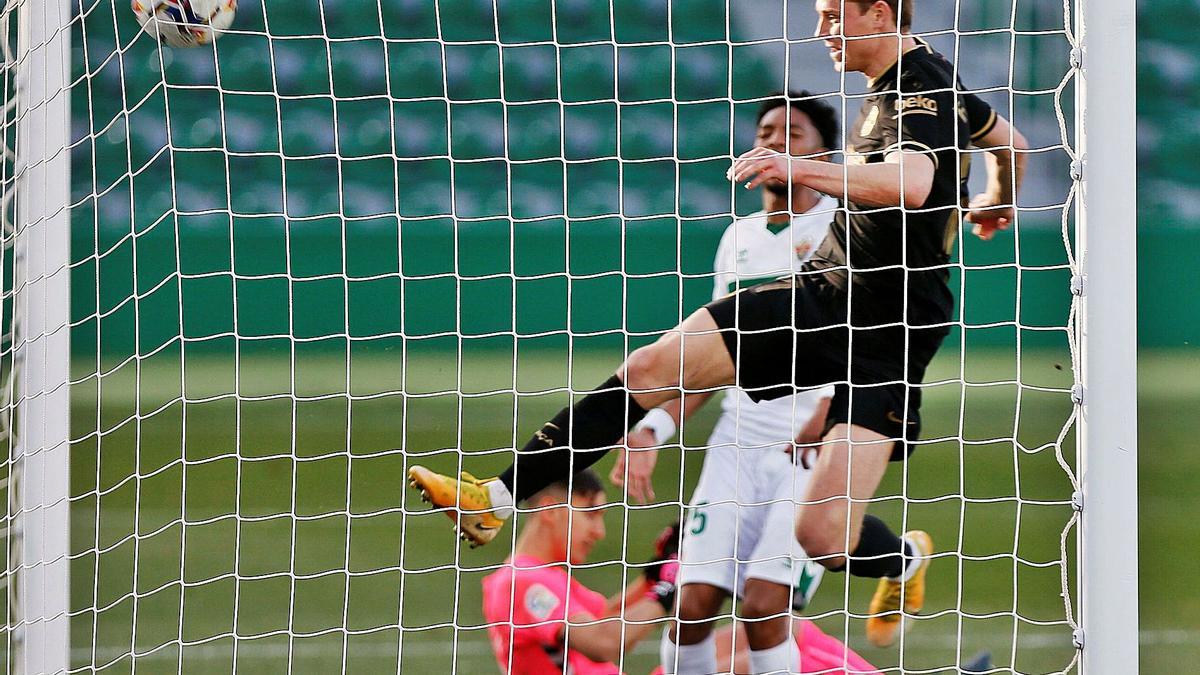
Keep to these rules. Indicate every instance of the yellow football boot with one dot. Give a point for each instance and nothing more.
(892, 596)
(466, 499)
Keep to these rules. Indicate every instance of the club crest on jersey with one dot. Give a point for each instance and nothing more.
(869, 124)
(539, 601)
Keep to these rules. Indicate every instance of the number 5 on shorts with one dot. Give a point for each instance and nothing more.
(698, 519)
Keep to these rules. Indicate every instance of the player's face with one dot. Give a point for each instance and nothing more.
(578, 531)
(839, 19)
(787, 129)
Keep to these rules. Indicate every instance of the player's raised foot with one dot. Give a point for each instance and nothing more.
(466, 499)
(893, 596)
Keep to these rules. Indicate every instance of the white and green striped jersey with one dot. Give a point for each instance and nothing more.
(752, 251)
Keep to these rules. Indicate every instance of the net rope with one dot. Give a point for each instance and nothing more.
(157, 536)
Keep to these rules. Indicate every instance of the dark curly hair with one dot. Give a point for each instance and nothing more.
(821, 114)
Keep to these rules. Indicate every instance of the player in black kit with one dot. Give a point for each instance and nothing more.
(867, 314)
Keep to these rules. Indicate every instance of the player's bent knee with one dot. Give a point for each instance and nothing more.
(825, 545)
(698, 602)
(695, 623)
(698, 605)
(651, 367)
(762, 606)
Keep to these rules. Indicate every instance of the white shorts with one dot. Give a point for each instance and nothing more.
(742, 520)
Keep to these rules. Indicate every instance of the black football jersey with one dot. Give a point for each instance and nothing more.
(887, 255)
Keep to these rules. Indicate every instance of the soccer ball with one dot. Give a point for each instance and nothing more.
(185, 23)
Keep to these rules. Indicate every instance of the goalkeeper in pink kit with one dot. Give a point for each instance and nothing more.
(541, 620)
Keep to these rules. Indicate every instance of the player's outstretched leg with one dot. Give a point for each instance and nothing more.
(577, 437)
(833, 520)
(469, 498)
(906, 592)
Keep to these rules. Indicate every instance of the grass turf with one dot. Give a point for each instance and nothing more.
(271, 531)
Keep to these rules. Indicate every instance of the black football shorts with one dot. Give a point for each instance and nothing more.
(792, 334)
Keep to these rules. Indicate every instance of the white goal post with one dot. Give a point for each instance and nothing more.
(1107, 245)
(38, 523)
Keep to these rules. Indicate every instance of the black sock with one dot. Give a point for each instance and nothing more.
(880, 553)
(568, 443)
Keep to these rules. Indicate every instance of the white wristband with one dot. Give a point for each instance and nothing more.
(659, 422)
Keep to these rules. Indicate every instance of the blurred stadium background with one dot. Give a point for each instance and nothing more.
(263, 499)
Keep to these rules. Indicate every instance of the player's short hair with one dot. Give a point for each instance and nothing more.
(901, 8)
(821, 114)
(586, 483)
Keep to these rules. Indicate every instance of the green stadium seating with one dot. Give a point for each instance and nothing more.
(286, 85)
(564, 114)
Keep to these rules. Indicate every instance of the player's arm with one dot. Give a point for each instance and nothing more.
(994, 208)
(631, 618)
(656, 428)
(902, 179)
(628, 597)
(909, 142)
(605, 640)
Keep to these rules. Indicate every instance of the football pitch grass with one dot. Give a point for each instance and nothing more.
(273, 531)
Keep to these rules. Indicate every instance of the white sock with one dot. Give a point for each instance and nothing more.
(782, 658)
(502, 499)
(911, 564)
(697, 659)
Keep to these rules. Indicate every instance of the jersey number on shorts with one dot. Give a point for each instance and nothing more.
(698, 520)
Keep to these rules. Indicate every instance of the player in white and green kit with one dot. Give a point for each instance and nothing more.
(736, 540)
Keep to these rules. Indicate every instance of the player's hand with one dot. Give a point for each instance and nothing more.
(758, 166)
(637, 464)
(661, 579)
(664, 566)
(805, 454)
(989, 216)
(617, 475)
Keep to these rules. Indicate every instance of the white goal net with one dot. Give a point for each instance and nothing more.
(247, 285)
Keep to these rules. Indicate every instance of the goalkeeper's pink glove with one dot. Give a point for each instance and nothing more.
(662, 582)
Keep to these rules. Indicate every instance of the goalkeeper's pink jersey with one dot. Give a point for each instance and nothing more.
(526, 605)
